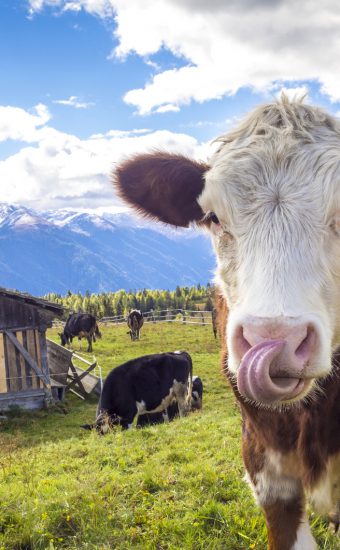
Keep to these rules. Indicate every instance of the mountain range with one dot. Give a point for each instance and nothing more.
(61, 250)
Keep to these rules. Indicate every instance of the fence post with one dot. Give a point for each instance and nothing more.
(184, 318)
(202, 315)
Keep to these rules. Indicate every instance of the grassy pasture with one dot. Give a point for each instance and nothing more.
(172, 486)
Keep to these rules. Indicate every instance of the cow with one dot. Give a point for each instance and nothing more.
(82, 325)
(214, 321)
(270, 199)
(172, 411)
(135, 322)
(197, 393)
(147, 384)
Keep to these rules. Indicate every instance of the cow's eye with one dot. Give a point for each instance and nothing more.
(214, 218)
(211, 217)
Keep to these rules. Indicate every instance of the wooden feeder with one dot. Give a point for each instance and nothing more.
(24, 373)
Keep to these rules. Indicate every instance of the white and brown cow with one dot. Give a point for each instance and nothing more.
(270, 198)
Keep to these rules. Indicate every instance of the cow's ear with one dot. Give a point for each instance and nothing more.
(162, 186)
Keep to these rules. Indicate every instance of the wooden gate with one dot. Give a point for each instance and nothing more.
(79, 380)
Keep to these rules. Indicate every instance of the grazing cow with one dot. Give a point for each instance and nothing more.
(143, 385)
(82, 325)
(135, 322)
(172, 410)
(270, 197)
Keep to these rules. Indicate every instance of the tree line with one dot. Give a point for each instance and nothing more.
(108, 304)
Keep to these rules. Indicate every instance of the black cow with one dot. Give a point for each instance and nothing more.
(82, 325)
(135, 322)
(145, 384)
(172, 411)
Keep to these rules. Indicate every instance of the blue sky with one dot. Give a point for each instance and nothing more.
(86, 82)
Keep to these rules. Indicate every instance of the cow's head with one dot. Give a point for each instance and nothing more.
(104, 423)
(271, 201)
(64, 340)
(196, 393)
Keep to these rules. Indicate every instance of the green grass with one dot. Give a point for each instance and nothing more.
(172, 486)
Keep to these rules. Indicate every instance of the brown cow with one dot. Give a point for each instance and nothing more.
(214, 321)
(270, 198)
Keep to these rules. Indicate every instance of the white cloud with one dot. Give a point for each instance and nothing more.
(18, 124)
(59, 170)
(293, 93)
(102, 8)
(227, 45)
(168, 108)
(73, 101)
(121, 133)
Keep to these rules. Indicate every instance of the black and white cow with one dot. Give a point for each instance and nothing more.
(172, 411)
(135, 322)
(143, 385)
(82, 325)
(197, 393)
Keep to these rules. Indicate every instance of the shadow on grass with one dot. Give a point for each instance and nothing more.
(59, 422)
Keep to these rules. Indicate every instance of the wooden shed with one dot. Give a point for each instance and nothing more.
(24, 372)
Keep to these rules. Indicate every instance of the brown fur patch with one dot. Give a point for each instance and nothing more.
(283, 520)
(162, 186)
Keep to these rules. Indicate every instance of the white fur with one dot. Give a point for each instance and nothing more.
(274, 185)
(178, 391)
(141, 405)
(304, 539)
(271, 484)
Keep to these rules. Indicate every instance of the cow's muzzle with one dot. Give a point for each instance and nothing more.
(274, 361)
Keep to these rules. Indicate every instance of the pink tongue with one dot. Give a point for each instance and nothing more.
(254, 380)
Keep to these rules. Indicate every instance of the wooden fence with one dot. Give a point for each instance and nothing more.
(184, 316)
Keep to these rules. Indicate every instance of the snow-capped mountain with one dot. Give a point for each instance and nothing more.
(55, 251)
(19, 217)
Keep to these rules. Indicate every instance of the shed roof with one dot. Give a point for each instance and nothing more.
(56, 309)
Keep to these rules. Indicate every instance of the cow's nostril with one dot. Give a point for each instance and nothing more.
(241, 343)
(304, 350)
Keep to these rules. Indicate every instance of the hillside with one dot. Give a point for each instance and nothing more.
(57, 251)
